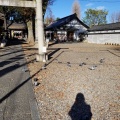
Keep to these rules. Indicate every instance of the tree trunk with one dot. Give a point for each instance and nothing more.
(5, 23)
(30, 40)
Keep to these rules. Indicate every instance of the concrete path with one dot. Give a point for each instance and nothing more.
(17, 99)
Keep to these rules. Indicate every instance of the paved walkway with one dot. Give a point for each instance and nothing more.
(17, 99)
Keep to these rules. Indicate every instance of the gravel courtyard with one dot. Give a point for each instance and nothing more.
(81, 82)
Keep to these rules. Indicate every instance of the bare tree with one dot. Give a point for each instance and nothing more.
(115, 17)
(50, 17)
(118, 17)
(76, 8)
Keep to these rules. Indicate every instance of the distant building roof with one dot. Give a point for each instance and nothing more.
(111, 26)
(63, 21)
(17, 26)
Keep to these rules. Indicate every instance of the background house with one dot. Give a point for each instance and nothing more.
(103, 34)
(69, 28)
(14, 30)
(17, 30)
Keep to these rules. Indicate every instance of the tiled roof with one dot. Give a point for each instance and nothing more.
(17, 26)
(63, 21)
(111, 26)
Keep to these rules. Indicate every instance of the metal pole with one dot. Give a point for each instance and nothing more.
(40, 30)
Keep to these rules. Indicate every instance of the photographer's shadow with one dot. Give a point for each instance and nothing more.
(80, 109)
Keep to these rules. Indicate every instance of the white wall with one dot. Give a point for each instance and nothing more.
(104, 38)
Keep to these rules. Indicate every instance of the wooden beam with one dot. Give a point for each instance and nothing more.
(18, 3)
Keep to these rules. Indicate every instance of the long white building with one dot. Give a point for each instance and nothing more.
(104, 34)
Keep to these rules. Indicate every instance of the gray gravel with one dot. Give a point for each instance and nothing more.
(74, 92)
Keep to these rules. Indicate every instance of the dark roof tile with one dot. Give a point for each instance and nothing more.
(57, 24)
(111, 26)
(17, 26)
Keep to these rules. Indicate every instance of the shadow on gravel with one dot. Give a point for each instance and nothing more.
(114, 53)
(80, 109)
(116, 48)
(54, 50)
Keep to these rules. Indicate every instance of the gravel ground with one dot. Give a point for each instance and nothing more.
(70, 90)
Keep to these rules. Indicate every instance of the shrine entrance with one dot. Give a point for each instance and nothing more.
(39, 21)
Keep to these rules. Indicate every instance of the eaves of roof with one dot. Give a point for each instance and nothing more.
(111, 26)
(17, 26)
(63, 21)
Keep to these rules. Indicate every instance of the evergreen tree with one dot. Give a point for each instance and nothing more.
(95, 17)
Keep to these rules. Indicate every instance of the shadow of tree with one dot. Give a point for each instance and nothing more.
(17, 87)
(10, 60)
(113, 53)
(117, 48)
(16, 42)
(13, 67)
(80, 109)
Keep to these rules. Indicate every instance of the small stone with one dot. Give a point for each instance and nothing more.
(35, 79)
(102, 60)
(59, 62)
(68, 62)
(44, 67)
(68, 65)
(84, 63)
(36, 83)
(24, 70)
(56, 59)
(92, 68)
(27, 57)
(81, 64)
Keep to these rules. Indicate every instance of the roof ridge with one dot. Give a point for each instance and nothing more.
(68, 16)
(56, 24)
(110, 26)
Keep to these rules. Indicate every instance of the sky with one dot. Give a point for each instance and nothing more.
(63, 8)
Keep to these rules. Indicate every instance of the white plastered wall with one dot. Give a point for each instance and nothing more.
(113, 38)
